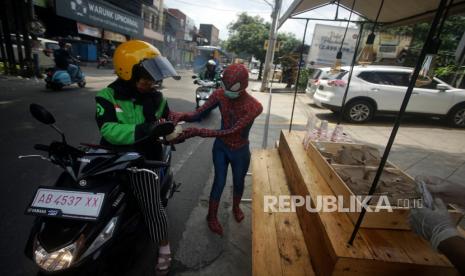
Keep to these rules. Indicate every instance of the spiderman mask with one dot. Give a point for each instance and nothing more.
(235, 80)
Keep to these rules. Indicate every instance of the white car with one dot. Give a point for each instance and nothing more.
(254, 71)
(381, 89)
(44, 49)
(318, 75)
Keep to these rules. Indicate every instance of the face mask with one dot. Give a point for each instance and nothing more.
(231, 95)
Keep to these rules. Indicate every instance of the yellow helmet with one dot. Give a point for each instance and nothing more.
(138, 52)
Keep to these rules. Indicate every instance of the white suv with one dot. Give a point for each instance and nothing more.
(381, 89)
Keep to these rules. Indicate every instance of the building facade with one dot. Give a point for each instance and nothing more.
(153, 23)
(102, 25)
(211, 33)
(185, 34)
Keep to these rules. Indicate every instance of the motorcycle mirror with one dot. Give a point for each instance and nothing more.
(41, 114)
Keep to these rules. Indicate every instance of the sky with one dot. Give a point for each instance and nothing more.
(222, 12)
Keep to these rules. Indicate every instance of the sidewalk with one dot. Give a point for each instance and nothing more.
(202, 253)
(419, 149)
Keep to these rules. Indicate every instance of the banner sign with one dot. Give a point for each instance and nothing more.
(113, 36)
(89, 30)
(327, 41)
(101, 14)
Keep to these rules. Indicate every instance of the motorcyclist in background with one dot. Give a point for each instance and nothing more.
(127, 110)
(210, 73)
(64, 59)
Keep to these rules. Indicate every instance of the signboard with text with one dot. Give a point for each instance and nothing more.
(89, 30)
(101, 14)
(327, 41)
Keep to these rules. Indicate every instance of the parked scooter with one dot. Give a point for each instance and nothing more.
(90, 210)
(56, 78)
(204, 91)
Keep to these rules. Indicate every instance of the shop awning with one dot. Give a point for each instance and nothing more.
(394, 12)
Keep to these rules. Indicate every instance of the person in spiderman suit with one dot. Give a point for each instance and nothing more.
(238, 112)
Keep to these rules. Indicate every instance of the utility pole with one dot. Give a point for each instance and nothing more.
(271, 44)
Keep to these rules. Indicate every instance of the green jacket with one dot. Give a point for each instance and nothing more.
(124, 115)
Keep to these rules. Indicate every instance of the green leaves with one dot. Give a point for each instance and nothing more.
(247, 36)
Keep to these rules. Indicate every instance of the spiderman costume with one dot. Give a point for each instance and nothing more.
(238, 111)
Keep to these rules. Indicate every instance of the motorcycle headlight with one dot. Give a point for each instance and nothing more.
(57, 260)
(102, 238)
(204, 95)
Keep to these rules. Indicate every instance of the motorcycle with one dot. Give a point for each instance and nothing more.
(204, 91)
(90, 209)
(56, 78)
(103, 61)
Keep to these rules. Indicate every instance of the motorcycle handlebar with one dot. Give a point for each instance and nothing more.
(41, 147)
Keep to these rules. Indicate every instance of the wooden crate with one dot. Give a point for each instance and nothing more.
(332, 148)
(278, 246)
(385, 219)
(374, 252)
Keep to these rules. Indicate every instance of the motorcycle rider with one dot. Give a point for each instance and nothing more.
(238, 112)
(126, 112)
(210, 73)
(63, 59)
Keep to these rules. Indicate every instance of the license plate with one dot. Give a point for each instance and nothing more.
(68, 204)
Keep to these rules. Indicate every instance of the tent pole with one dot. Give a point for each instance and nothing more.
(424, 50)
(349, 78)
(268, 114)
(298, 73)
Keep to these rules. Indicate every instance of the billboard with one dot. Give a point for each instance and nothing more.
(102, 15)
(326, 42)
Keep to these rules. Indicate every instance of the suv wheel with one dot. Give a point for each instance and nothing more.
(456, 116)
(358, 111)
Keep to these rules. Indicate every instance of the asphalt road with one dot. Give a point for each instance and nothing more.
(74, 111)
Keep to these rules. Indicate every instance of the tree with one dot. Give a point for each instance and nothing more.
(450, 36)
(289, 44)
(247, 36)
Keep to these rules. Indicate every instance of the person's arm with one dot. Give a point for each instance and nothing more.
(435, 225)
(202, 74)
(113, 131)
(454, 249)
(243, 123)
(199, 113)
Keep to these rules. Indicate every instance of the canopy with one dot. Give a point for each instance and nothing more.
(394, 12)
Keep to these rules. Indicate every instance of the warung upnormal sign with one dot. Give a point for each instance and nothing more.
(102, 15)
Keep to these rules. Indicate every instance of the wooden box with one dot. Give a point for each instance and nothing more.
(395, 217)
(329, 150)
(381, 252)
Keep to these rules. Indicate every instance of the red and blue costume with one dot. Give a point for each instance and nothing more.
(238, 112)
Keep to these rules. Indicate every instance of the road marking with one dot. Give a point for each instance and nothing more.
(190, 150)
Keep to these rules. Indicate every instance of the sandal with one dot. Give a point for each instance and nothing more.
(164, 265)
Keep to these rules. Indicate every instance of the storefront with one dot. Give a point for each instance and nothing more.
(101, 26)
